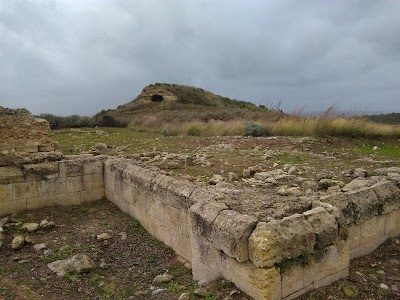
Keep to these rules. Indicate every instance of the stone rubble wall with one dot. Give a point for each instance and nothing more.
(67, 182)
(22, 136)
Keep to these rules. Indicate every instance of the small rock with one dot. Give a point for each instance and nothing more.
(79, 263)
(293, 191)
(101, 148)
(216, 179)
(397, 242)
(392, 261)
(18, 242)
(157, 292)
(292, 170)
(101, 283)
(4, 221)
(234, 292)
(325, 183)
(103, 236)
(286, 167)
(350, 291)
(373, 277)
(123, 236)
(44, 224)
(29, 240)
(383, 286)
(201, 291)
(373, 265)
(184, 296)
(334, 189)
(375, 148)
(394, 288)
(380, 272)
(360, 172)
(232, 176)
(189, 161)
(39, 247)
(30, 227)
(164, 278)
(359, 273)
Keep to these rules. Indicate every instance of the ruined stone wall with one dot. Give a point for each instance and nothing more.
(66, 182)
(23, 138)
(198, 223)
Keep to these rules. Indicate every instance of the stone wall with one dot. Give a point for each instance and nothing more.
(23, 137)
(268, 254)
(67, 182)
(266, 259)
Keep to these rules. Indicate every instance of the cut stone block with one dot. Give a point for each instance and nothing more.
(273, 242)
(230, 233)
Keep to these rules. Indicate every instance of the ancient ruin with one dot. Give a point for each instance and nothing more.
(245, 235)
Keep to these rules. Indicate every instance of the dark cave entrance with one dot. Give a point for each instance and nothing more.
(157, 98)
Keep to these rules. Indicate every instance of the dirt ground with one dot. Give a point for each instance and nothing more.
(126, 267)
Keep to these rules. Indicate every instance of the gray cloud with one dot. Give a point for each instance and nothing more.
(80, 57)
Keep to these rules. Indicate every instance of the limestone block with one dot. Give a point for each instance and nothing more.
(96, 181)
(62, 169)
(26, 190)
(230, 233)
(203, 214)
(128, 194)
(324, 225)
(335, 259)
(341, 202)
(260, 284)
(354, 236)
(156, 210)
(10, 207)
(357, 251)
(137, 176)
(375, 243)
(173, 191)
(392, 223)
(73, 167)
(78, 183)
(6, 193)
(388, 194)
(109, 187)
(94, 165)
(41, 171)
(11, 175)
(181, 244)
(372, 229)
(53, 187)
(275, 241)
(173, 218)
(343, 231)
(68, 199)
(205, 252)
(201, 271)
(92, 195)
(364, 203)
(39, 202)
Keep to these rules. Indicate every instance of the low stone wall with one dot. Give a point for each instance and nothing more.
(66, 182)
(270, 255)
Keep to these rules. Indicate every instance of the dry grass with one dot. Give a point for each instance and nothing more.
(286, 126)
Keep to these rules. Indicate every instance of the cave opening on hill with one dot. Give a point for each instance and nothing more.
(157, 98)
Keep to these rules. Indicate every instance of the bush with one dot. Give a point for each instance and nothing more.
(193, 130)
(253, 129)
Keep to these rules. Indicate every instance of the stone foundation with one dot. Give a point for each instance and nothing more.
(65, 182)
(277, 258)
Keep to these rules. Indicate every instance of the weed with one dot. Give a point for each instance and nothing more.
(71, 276)
(62, 253)
(137, 229)
(210, 297)
(173, 287)
(304, 260)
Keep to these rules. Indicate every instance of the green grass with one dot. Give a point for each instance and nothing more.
(59, 254)
(388, 149)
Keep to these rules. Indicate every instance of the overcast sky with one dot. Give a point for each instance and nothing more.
(79, 57)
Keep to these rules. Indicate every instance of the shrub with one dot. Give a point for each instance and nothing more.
(253, 129)
(193, 130)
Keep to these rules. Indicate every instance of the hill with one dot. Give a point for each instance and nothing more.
(392, 118)
(164, 105)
